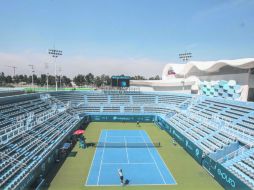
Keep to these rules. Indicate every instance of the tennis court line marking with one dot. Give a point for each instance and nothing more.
(91, 166)
(102, 159)
(121, 136)
(127, 155)
(118, 185)
(164, 162)
(153, 158)
(115, 163)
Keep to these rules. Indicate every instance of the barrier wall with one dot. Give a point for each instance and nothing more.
(223, 176)
(122, 118)
(189, 146)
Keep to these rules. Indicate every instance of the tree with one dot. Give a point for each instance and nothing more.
(107, 80)
(16, 79)
(43, 80)
(79, 80)
(66, 81)
(8, 79)
(2, 78)
(98, 81)
(157, 77)
(51, 80)
(89, 78)
(138, 77)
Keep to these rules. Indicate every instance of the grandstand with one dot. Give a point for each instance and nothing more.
(11, 91)
(217, 133)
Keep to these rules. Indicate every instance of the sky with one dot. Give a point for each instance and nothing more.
(132, 37)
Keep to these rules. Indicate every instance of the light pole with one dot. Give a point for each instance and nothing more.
(55, 53)
(14, 69)
(185, 58)
(59, 70)
(32, 67)
(47, 76)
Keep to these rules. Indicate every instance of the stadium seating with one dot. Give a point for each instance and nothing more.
(221, 128)
(225, 89)
(26, 140)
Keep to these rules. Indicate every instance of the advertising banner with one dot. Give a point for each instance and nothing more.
(223, 176)
(122, 118)
(189, 146)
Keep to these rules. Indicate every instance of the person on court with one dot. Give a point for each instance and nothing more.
(120, 173)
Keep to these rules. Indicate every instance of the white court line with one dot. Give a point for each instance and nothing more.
(147, 184)
(102, 158)
(92, 162)
(153, 158)
(127, 155)
(163, 161)
(124, 163)
(121, 136)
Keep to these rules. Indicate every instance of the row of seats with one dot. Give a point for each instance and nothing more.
(106, 108)
(205, 135)
(65, 97)
(35, 127)
(139, 98)
(244, 170)
(237, 116)
(24, 152)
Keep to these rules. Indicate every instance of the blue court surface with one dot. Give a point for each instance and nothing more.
(141, 166)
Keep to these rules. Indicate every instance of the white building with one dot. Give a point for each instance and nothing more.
(232, 79)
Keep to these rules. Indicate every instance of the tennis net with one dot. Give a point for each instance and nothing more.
(126, 145)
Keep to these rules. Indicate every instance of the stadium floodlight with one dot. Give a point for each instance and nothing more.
(55, 54)
(59, 70)
(185, 58)
(32, 67)
(47, 76)
(14, 69)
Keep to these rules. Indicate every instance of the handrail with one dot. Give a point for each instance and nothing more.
(234, 153)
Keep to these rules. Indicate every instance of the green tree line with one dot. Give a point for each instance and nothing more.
(80, 80)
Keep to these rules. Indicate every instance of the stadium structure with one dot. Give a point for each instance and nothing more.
(218, 133)
(231, 79)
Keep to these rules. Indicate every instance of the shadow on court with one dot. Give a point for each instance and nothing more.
(127, 182)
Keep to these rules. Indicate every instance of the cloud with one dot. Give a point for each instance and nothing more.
(73, 65)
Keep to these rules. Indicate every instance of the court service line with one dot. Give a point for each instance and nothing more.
(110, 136)
(127, 155)
(88, 176)
(124, 163)
(133, 184)
(102, 158)
(153, 158)
(165, 165)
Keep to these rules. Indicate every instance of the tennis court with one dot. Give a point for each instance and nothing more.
(139, 160)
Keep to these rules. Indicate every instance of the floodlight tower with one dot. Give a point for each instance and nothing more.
(14, 69)
(55, 54)
(32, 67)
(185, 58)
(47, 76)
(59, 70)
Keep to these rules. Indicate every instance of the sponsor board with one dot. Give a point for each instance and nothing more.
(122, 118)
